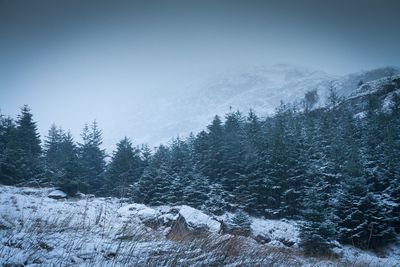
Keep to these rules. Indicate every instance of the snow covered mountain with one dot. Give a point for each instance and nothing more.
(258, 88)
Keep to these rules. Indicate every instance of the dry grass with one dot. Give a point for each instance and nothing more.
(90, 233)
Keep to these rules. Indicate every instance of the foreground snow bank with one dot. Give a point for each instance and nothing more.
(36, 230)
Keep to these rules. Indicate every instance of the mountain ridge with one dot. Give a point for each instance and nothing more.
(260, 88)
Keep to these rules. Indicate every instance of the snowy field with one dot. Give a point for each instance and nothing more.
(39, 227)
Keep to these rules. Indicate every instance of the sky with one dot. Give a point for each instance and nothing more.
(76, 61)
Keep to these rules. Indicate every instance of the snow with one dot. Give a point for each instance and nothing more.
(57, 194)
(36, 230)
(193, 217)
(354, 255)
(276, 230)
(140, 210)
(197, 218)
(360, 115)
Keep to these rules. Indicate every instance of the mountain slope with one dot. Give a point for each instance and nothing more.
(36, 230)
(258, 88)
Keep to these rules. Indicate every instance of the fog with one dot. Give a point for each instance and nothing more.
(117, 61)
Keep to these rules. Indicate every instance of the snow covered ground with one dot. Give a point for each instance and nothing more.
(39, 227)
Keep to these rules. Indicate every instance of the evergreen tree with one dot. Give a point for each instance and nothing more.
(28, 149)
(53, 154)
(69, 181)
(124, 169)
(145, 155)
(233, 155)
(317, 232)
(196, 192)
(241, 223)
(363, 220)
(333, 97)
(209, 150)
(310, 100)
(8, 151)
(153, 187)
(92, 160)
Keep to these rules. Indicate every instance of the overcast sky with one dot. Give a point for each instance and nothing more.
(74, 61)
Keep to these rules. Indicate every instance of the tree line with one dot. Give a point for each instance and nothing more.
(337, 171)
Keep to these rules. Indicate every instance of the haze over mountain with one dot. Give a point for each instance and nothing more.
(126, 63)
(156, 116)
(258, 88)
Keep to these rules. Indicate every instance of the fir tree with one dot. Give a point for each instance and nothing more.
(153, 187)
(53, 154)
(317, 232)
(92, 160)
(8, 151)
(241, 223)
(363, 220)
(28, 149)
(69, 181)
(124, 169)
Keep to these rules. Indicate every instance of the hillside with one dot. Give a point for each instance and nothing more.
(36, 230)
(258, 88)
(316, 182)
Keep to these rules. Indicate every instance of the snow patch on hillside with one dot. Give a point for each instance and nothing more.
(197, 218)
(36, 230)
(140, 210)
(278, 231)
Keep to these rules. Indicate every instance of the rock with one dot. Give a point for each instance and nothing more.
(262, 239)
(229, 228)
(179, 230)
(45, 246)
(110, 255)
(57, 194)
(155, 223)
(288, 243)
(80, 195)
(199, 220)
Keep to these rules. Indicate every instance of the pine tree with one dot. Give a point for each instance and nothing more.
(233, 153)
(317, 232)
(363, 220)
(8, 151)
(124, 170)
(209, 150)
(310, 100)
(333, 97)
(392, 161)
(241, 223)
(153, 187)
(145, 155)
(217, 201)
(61, 160)
(28, 149)
(92, 160)
(374, 145)
(69, 181)
(53, 154)
(196, 192)
(286, 166)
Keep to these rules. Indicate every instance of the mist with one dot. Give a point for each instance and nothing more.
(119, 62)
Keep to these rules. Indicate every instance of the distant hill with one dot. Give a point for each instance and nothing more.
(258, 88)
